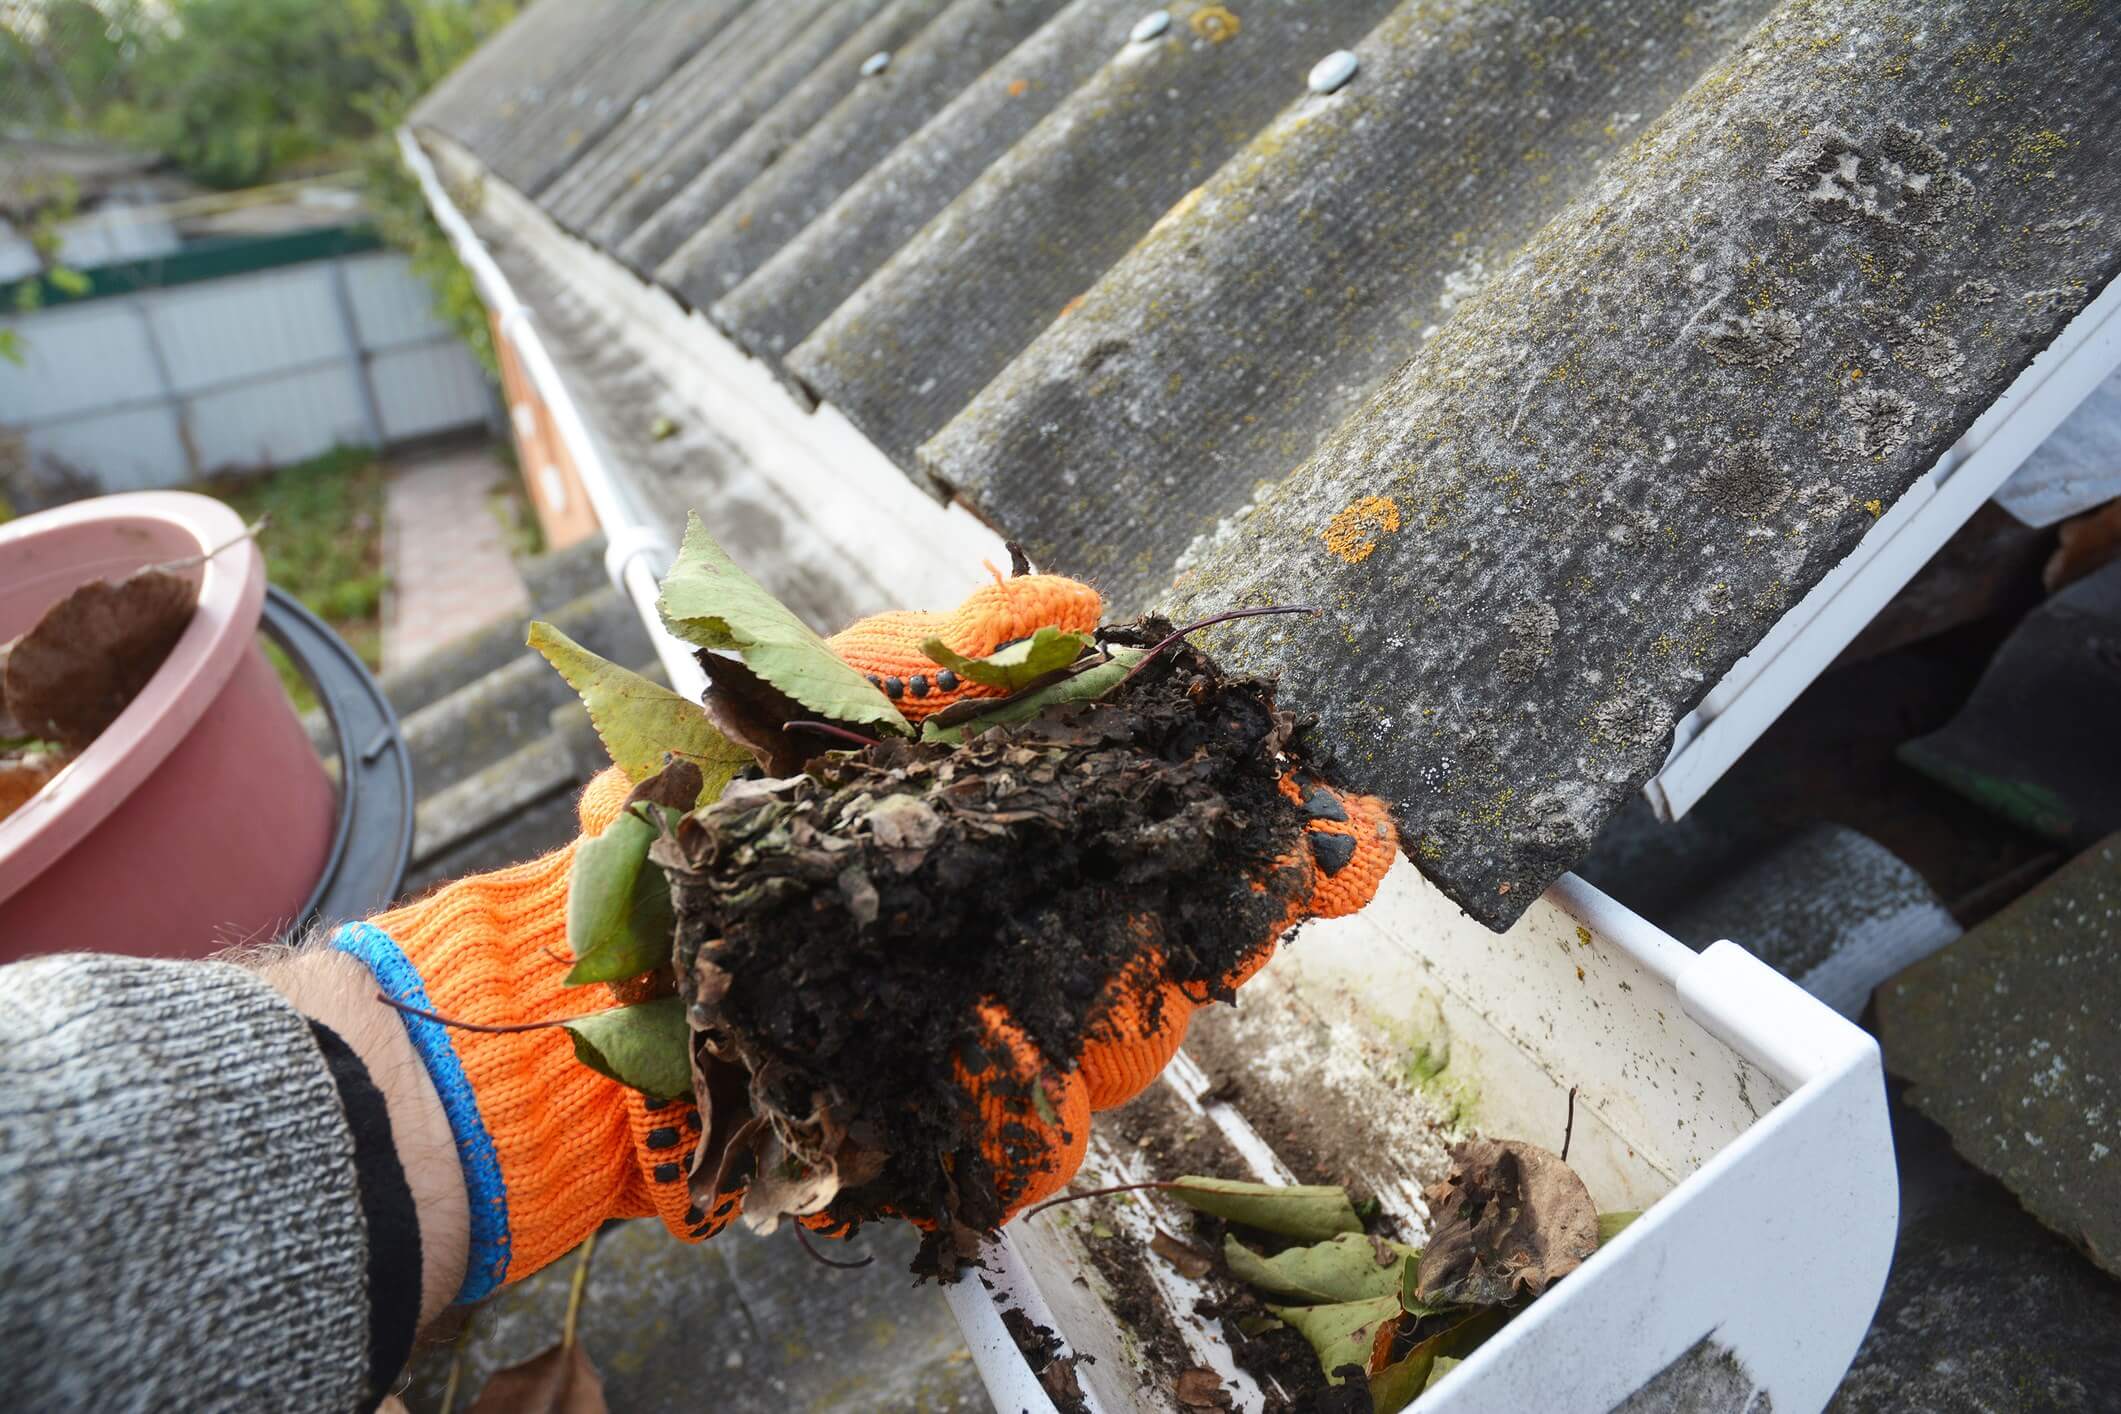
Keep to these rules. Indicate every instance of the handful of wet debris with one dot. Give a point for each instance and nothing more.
(838, 931)
(819, 953)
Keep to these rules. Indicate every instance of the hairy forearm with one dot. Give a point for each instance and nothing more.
(339, 991)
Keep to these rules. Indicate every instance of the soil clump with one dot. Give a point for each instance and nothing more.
(840, 932)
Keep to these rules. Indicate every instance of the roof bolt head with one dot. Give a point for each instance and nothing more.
(1149, 26)
(876, 63)
(1329, 73)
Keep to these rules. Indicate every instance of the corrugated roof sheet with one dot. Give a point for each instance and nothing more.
(1557, 352)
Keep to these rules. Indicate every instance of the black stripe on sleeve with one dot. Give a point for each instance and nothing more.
(386, 1205)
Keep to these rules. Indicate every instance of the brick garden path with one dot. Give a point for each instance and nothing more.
(446, 554)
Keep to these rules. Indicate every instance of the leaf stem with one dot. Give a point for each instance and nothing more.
(1568, 1130)
(488, 1028)
(185, 562)
(1224, 617)
(803, 1240)
(1075, 1195)
(827, 729)
(458, 1348)
(577, 1286)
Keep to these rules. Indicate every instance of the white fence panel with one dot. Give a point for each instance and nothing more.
(238, 373)
(77, 357)
(427, 388)
(136, 449)
(222, 331)
(266, 423)
(391, 305)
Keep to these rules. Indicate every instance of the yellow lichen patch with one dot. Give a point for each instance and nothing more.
(1875, 507)
(1351, 536)
(1214, 23)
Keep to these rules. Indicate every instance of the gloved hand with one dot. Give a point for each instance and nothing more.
(551, 1149)
(1349, 843)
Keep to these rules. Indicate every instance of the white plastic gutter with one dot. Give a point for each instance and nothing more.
(637, 552)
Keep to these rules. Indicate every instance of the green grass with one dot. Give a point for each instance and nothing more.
(323, 543)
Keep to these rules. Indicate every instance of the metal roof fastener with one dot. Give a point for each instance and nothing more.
(1329, 73)
(1149, 26)
(876, 63)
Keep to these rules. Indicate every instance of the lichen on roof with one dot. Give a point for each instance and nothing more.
(1591, 446)
(1557, 354)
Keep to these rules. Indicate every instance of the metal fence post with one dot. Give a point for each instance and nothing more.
(356, 355)
(178, 407)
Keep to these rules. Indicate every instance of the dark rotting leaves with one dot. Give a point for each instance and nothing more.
(839, 931)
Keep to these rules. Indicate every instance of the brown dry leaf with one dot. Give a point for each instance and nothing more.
(1191, 1262)
(1201, 1389)
(559, 1380)
(904, 826)
(750, 711)
(1396, 1385)
(1060, 1382)
(1511, 1219)
(70, 676)
(785, 1185)
(2082, 545)
(23, 776)
(676, 787)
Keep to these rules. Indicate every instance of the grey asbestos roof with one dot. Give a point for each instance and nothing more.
(1557, 352)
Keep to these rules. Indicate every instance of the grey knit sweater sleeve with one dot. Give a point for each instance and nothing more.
(180, 1221)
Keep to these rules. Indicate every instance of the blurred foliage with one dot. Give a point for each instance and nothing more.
(39, 208)
(323, 543)
(241, 92)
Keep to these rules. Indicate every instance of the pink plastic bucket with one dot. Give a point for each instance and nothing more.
(202, 816)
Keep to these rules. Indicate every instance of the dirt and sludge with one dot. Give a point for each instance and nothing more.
(889, 944)
(1272, 1069)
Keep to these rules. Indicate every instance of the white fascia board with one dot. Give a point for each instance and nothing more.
(1762, 684)
(861, 520)
(636, 552)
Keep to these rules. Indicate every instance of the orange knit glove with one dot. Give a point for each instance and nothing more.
(1349, 844)
(550, 1148)
(886, 648)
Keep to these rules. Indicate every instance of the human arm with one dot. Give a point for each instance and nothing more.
(195, 1200)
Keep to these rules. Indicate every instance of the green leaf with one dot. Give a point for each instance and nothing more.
(1409, 1300)
(1611, 1225)
(1083, 687)
(1342, 1268)
(1342, 1333)
(619, 917)
(707, 600)
(11, 347)
(1019, 664)
(639, 720)
(1307, 1211)
(1441, 1366)
(647, 1046)
(68, 281)
(1400, 1383)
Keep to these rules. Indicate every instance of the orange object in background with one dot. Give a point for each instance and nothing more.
(555, 487)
